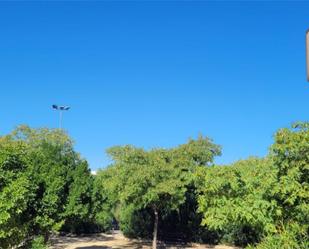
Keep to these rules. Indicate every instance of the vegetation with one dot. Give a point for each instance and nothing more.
(38, 243)
(153, 182)
(163, 194)
(237, 200)
(44, 185)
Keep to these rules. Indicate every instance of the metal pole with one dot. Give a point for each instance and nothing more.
(307, 53)
(60, 119)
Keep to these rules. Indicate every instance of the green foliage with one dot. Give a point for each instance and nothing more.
(15, 192)
(158, 178)
(141, 183)
(236, 199)
(290, 155)
(289, 236)
(137, 223)
(105, 192)
(152, 181)
(38, 243)
(61, 179)
(78, 209)
(185, 223)
(256, 199)
(44, 185)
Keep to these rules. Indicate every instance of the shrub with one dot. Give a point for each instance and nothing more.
(236, 200)
(38, 243)
(291, 236)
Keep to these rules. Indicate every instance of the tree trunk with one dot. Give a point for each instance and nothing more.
(155, 229)
(46, 236)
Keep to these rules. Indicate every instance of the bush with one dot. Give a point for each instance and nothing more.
(236, 200)
(291, 236)
(38, 243)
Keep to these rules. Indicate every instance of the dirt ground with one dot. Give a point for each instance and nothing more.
(115, 241)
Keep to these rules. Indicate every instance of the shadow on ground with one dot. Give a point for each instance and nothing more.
(137, 245)
(61, 242)
(131, 245)
(118, 241)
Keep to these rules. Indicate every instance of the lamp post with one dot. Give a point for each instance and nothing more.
(60, 109)
(307, 53)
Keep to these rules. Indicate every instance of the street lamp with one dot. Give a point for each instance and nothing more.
(60, 109)
(307, 53)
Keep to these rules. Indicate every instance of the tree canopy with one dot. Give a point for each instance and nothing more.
(157, 179)
(161, 193)
(44, 184)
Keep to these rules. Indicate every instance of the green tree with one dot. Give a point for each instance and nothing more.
(79, 204)
(105, 197)
(156, 180)
(262, 200)
(62, 182)
(52, 162)
(237, 199)
(15, 192)
(290, 156)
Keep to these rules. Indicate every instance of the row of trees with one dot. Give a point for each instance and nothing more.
(179, 193)
(159, 194)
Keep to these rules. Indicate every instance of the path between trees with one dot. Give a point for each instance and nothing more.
(115, 241)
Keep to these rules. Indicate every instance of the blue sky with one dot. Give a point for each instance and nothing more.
(154, 74)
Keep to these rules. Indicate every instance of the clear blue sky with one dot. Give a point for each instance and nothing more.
(155, 73)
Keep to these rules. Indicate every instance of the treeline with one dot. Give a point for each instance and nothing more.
(159, 194)
(179, 193)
